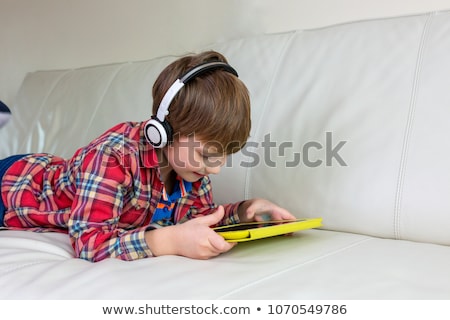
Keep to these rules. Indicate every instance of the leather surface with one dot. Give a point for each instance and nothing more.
(349, 123)
(314, 264)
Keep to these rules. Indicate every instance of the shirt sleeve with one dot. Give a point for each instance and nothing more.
(94, 227)
(200, 203)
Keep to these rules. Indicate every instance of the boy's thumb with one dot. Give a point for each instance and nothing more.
(214, 217)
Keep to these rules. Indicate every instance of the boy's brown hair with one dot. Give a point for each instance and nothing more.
(214, 106)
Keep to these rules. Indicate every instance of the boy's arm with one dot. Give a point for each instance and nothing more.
(94, 223)
(200, 203)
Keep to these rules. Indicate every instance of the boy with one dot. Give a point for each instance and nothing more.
(142, 189)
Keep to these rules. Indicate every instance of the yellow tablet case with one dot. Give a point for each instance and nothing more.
(257, 230)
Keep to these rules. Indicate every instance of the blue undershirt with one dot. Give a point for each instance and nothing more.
(163, 214)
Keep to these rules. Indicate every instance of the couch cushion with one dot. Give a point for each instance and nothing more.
(313, 264)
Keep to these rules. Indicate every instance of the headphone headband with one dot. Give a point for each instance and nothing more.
(205, 67)
(163, 109)
(158, 131)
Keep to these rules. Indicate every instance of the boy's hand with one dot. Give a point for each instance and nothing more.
(192, 239)
(197, 240)
(256, 209)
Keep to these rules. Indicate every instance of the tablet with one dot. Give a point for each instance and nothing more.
(257, 230)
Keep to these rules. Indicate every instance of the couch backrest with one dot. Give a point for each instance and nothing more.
(350, 122)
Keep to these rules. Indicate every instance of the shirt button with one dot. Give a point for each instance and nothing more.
(141, 254)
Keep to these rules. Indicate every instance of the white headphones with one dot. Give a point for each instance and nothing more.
(158, 131)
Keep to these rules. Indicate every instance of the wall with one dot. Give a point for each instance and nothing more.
(54, 34)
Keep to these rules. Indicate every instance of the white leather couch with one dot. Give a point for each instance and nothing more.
(351, 123)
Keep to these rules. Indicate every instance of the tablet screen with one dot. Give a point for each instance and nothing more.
(254, 225)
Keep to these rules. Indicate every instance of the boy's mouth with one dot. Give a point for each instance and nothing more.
(201, 175)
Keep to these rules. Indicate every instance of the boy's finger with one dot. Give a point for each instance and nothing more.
(220, 244)
(214, 217)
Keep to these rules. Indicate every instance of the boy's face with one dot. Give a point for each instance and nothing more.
(192, 159)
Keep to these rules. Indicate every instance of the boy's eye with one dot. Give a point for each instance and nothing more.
(212, 157)
(209, 157)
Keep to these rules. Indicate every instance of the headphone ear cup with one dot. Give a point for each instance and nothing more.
(158, 133)
(169, 131)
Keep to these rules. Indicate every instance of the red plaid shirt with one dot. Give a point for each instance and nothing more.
(104, 196)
